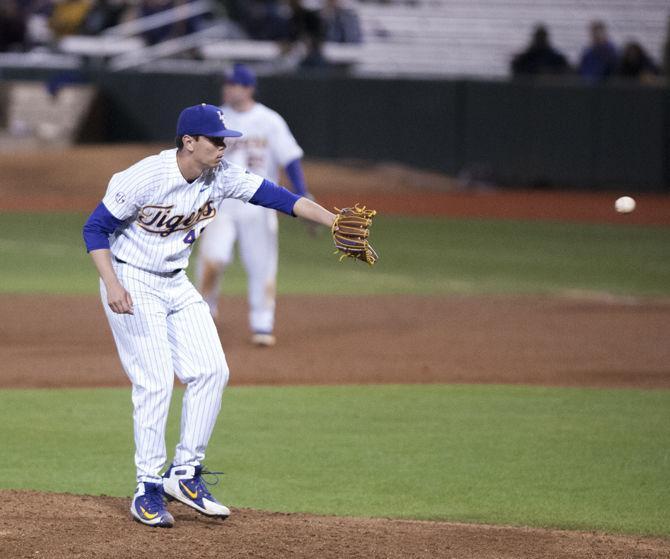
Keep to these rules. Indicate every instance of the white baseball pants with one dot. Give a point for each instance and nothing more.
(171, 332)
(255, 230)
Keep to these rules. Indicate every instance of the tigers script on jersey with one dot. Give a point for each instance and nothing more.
(165, 213)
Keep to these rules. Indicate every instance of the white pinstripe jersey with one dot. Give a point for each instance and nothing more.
(163, 213)
(266, 144)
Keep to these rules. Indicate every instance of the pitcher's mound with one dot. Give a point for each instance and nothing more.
(67, 526)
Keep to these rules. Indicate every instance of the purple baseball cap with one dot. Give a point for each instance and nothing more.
(204, 120)
(241, 75)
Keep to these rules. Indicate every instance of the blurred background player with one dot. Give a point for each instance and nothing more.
(267, 146)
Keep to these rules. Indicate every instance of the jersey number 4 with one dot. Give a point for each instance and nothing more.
(191, 236)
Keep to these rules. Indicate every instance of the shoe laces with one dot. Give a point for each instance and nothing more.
(201, 482)
(152, 500)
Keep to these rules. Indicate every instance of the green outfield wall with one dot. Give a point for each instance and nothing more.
(534, 133)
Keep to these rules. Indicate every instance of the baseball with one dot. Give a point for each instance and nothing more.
(624, 205)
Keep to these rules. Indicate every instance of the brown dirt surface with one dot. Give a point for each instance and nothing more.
(84, 526)
(584, 340)
(64, 341)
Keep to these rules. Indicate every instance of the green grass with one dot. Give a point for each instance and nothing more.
(570, 458)
(590, 459)
(423, 256)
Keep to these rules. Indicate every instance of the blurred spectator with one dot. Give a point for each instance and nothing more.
(636, 63)
(600, 59)
(306, 28)
(68, 16)
(12, 26)
(539, 57)
(341, 23)
(305, 23)
(36, 14)
(104, 14)
(297, 25)
(147, 8)
(155, 35)
(263, 20)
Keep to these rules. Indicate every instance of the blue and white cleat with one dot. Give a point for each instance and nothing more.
(148, 506)
(185, 483)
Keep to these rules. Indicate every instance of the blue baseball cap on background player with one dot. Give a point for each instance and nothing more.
(241, 75)
(204, 120)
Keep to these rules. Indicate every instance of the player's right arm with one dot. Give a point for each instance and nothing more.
(118, 299)
(120, 204)
(97, 229)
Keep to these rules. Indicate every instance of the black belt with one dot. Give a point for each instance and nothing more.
(172, 273)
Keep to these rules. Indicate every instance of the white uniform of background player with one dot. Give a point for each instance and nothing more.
(267, 146)
(140, 238)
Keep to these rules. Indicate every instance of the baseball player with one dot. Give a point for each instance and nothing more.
(266, 146)
(140, 237)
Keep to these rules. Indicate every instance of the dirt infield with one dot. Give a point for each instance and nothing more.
(83, 527)
(64, 341)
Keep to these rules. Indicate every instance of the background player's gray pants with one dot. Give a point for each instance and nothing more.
(171, 331)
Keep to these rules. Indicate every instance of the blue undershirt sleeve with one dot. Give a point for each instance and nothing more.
(297, 177)
(270, 195)
(98, 227)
